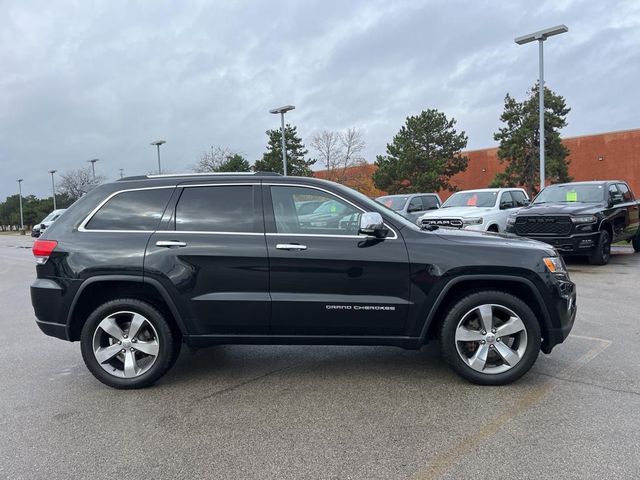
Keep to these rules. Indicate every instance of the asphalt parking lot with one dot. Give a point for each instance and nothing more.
(326, 412)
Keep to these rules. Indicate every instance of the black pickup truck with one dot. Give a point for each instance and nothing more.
(581, 218)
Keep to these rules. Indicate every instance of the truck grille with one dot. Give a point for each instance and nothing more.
(547, 225)
(443, 222)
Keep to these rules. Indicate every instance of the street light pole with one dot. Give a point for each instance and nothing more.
(53, 188)
(93, 167)
(157, 143)
(21, 215)
(121, 172)
(282, 111)
(541, 36)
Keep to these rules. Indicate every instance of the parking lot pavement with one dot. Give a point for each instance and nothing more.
(326, 412)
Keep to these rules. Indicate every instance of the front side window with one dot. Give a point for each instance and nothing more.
(225, 208)
(137, 210)
(430, 202)
(519, 198)
(415, 205)
(333, 216)
(506, 201)
(626, 194)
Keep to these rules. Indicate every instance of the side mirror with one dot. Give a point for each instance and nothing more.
(371, 223)
(505, 205)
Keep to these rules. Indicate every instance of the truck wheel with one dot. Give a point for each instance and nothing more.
(490, 338)
(127, 343)
(603, 250)
(636, 243)
(493, 228)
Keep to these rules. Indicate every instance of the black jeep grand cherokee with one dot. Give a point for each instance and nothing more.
(139, 266)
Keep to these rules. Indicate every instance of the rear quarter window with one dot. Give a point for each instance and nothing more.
(137, 210)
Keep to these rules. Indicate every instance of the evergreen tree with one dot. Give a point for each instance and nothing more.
(272, 159)
(423, 156)
(520, 141)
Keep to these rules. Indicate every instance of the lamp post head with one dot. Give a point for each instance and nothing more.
(93, 160)
(20, 180)
(284, 109)
(541, 34)
(157, 143)
(52, 171)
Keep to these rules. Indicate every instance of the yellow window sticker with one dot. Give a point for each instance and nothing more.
(572, 196)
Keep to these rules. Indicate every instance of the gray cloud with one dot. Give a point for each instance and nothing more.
(102, 79)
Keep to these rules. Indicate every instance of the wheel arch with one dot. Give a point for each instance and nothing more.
(97, 290)
(459, 287)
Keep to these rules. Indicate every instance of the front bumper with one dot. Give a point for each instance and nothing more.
(577, 244)
(563, 309)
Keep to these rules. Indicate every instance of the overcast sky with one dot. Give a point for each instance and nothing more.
(83, 79)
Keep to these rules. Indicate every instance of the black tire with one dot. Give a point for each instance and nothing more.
(528, 341)
(157, 329)
(602, 254)
(636, 243)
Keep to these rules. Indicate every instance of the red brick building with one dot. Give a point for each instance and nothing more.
(603, 156)
(613, 155)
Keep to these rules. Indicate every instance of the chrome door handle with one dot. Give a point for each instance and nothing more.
(170, 243)
(290, 246)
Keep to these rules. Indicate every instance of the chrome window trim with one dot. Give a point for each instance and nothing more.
(87, 219)
(395, 235)
(207, 232)
(203, 174)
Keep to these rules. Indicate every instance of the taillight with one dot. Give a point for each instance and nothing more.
(42, 249)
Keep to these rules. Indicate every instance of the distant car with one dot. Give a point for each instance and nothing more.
(486, 209)
(411, 205)
(48, 220)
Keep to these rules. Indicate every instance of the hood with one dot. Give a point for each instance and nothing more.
(565, 208)
(462, 212)
(490, 239)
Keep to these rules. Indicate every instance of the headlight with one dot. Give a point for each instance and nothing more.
(511, 220)
(584, 219)
(555, 264)
(472, 221)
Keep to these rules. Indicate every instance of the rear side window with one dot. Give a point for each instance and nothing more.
(217, 209)
(136, 210)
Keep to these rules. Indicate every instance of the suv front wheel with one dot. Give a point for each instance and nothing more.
(127, 343)
(490, 338)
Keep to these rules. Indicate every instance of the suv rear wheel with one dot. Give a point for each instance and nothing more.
(127, 343)
(490, 338)
(636, 243)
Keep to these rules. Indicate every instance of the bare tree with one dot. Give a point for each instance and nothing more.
(328, 146)
(340, 151)
(212, 160)
(75, 183)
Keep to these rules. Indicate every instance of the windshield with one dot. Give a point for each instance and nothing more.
(393, 202)
(591, 193)
(471, 199)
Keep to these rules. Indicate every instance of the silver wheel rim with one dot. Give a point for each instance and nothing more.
(491, 339)
(125, 344)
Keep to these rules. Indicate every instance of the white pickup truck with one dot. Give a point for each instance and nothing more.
(486, 209)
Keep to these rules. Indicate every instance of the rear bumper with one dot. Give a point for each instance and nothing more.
(47, 298)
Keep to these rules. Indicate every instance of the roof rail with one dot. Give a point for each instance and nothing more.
(210, 174)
